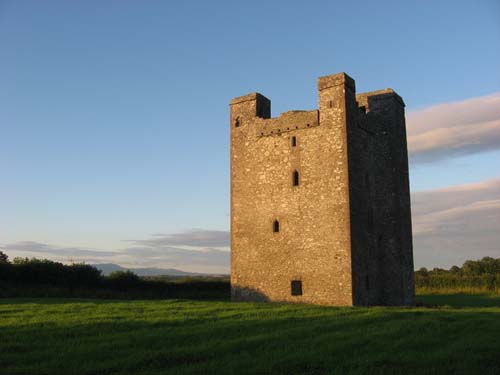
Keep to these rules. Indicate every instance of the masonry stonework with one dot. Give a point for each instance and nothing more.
(334, 182)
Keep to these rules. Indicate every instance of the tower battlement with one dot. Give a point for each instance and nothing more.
(320, 205)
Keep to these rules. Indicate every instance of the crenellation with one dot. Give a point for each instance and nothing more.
(286, 122)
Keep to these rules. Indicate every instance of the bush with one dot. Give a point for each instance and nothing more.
(26, 277)
(43, 271)
(124, 279)
(474, 276)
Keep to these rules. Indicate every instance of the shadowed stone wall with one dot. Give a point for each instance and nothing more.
(344, 229)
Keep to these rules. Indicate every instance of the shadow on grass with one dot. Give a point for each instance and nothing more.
(426, 300)
(226, 338)
(459, 300)
(56, 301)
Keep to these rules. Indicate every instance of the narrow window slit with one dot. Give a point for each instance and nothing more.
(295, 178)
(276, 226)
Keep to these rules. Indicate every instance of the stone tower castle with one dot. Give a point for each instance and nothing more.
(320, 200)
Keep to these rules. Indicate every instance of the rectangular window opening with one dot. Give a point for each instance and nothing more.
(296, 287)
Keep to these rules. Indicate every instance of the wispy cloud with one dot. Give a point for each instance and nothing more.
(195, 250)
(206, 258)
(454, 224)
(42, 248)
(454, 129)
(194, 237)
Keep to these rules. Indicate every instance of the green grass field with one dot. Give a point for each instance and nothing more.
(457, 335)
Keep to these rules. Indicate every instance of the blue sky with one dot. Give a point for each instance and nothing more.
(114, 115)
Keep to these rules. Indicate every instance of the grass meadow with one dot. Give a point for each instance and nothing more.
(449, 334)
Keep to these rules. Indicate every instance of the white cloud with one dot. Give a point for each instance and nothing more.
(33, 247)
(458, 223)
(454, 129)
(195, 250)
(194, 237)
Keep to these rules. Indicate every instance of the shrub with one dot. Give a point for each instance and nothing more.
(124, 279)
(475, 275)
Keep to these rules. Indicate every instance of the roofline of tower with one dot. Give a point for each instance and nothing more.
(247, 97)
(336, 80)
(387, 91)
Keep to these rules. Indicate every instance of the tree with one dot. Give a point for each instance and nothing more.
(423, 271)
(124, 279)
(3, 257)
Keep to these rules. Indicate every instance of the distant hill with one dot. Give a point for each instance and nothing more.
(107, 268)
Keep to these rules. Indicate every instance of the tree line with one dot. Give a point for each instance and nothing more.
(33, 277)
(481, 275)
(24, 277)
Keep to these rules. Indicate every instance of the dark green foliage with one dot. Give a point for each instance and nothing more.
(3, 257)
(44, 278)
(124, 279)
(40, 336)
(187, 279)
(485, 266)
(43, 271)
(474, 275)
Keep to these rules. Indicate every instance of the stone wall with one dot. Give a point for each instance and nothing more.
(392, 235)
(325, 236)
